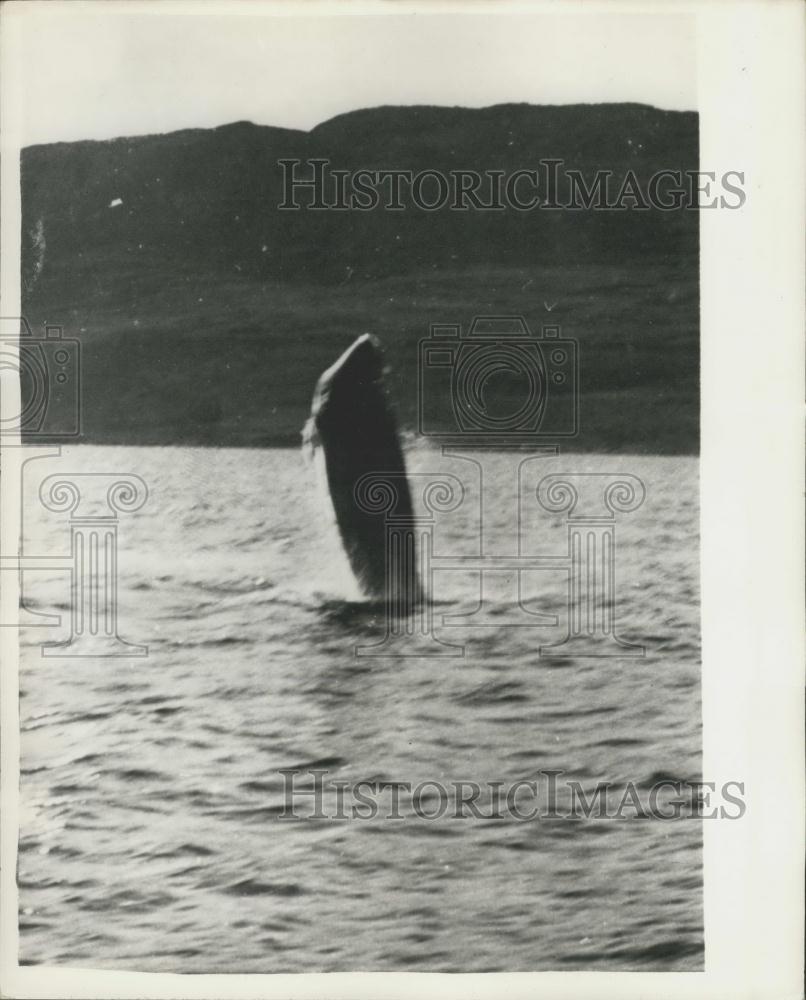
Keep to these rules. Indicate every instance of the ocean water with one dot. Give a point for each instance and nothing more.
(152, 835)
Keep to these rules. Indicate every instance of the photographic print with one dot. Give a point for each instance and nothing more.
(358, 444)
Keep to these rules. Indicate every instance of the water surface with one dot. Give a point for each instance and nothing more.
(151, 836)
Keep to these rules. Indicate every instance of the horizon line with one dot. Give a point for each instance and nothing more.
(359, 110)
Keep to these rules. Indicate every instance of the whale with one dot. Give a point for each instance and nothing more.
(351, 435)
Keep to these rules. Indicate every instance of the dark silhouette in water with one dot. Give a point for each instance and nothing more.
(353, 424)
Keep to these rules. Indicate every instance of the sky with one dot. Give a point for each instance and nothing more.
(93, 71)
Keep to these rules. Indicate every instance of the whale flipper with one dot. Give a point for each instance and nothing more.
(352, 429)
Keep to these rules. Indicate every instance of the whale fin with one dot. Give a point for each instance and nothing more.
(353, 431)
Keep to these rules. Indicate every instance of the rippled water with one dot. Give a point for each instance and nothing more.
(150, 832)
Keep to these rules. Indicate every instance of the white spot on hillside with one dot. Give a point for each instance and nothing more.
(115, 202)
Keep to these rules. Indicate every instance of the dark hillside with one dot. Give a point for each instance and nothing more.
(205, 313)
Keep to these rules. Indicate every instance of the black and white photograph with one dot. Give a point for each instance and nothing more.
(360, 569)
